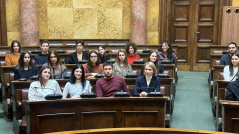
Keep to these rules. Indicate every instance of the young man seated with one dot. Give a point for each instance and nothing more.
(110, 84)
(41, 58)
(226, 58)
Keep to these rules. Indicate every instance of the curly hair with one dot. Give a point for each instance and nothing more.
(132, 45)
(169, 51)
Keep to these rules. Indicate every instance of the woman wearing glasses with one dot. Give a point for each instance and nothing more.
(165, 52)
(93, 67)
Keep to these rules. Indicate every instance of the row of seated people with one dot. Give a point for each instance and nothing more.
(105, 87)
(164, 53)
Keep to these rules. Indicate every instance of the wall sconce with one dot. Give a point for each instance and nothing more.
(236, 10)
(228, 10)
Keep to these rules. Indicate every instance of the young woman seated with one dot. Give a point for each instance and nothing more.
(44, 86)
(121, 66)
(77, 85)
(148, 82)
(25, 69)
(58, 71)
(93, 67)
(230, 72)
(79, 54)
(165, 52)
(11, 58)
(131, 50)
(153, 57)
(102, 54)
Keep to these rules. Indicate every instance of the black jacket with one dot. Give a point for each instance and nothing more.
(73, 57)
(233, 91)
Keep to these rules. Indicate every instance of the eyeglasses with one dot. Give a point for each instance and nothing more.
(93, 57)
(79, 46)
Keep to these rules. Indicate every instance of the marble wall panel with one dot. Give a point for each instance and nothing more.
(85, 23)
(85, 3)
(109, 4)
(152, 20)
(42, 19)
(13, 36)
(60, 23)
(152, 37)
(60, 3)
(235, 2)
(13, 15)
(126, 19)
(110, 23)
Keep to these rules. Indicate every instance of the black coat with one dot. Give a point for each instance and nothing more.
(233, 91)
(73, 57)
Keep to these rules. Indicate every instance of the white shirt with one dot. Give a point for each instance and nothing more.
(76, 89)
(36, 92)
(226, 73)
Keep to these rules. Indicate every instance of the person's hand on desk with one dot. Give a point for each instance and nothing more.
(143, 94)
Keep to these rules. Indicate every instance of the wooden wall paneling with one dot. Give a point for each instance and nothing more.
(203, 53)
(181, 33)
(3, 24)
(181, 55)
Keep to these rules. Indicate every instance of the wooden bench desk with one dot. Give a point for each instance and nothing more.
(74, 114)
(230, 116)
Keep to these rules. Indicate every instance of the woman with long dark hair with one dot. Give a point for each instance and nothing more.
(25, 68)
(78, 84)
(93, 67)
(13, 56)
(79, 54)
(102, 54)
(121, 66)
(58, 70)
(230, 72)
(44, 86)
(153, 57)
(165, 52)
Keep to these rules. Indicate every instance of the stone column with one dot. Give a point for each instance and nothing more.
(139, 22)
(28, 20)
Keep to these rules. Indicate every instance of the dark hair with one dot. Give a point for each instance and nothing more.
(20, 65)
(130, 44)
(105, 54)
(58, 63)
(233, 44)
(81, 42)
(156, 63)
(73, 78)
(89, 65)
(44, 41)
(231, 65)
(169, 51)
(12, 45)
(40, 73)
(107, 64)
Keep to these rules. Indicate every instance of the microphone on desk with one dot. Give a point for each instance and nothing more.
(53, 96)
(152, 94)
(111, 60)
(88, 94)
(146, 50)
(122, 93)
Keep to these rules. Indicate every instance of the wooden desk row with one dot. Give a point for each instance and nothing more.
(90, 113)
(139, 130)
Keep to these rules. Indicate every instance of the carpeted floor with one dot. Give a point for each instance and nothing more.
(5, 127)
(192, 107)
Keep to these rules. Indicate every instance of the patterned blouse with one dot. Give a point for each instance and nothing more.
(122, 71)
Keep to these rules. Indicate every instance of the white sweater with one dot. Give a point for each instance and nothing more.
(226, 73)
(76, 89)
(36, 92)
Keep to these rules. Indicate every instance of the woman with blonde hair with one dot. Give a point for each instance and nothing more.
(121, 66)
(148, 82)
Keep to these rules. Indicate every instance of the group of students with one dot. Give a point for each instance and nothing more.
(52, 68)
(230, 71)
